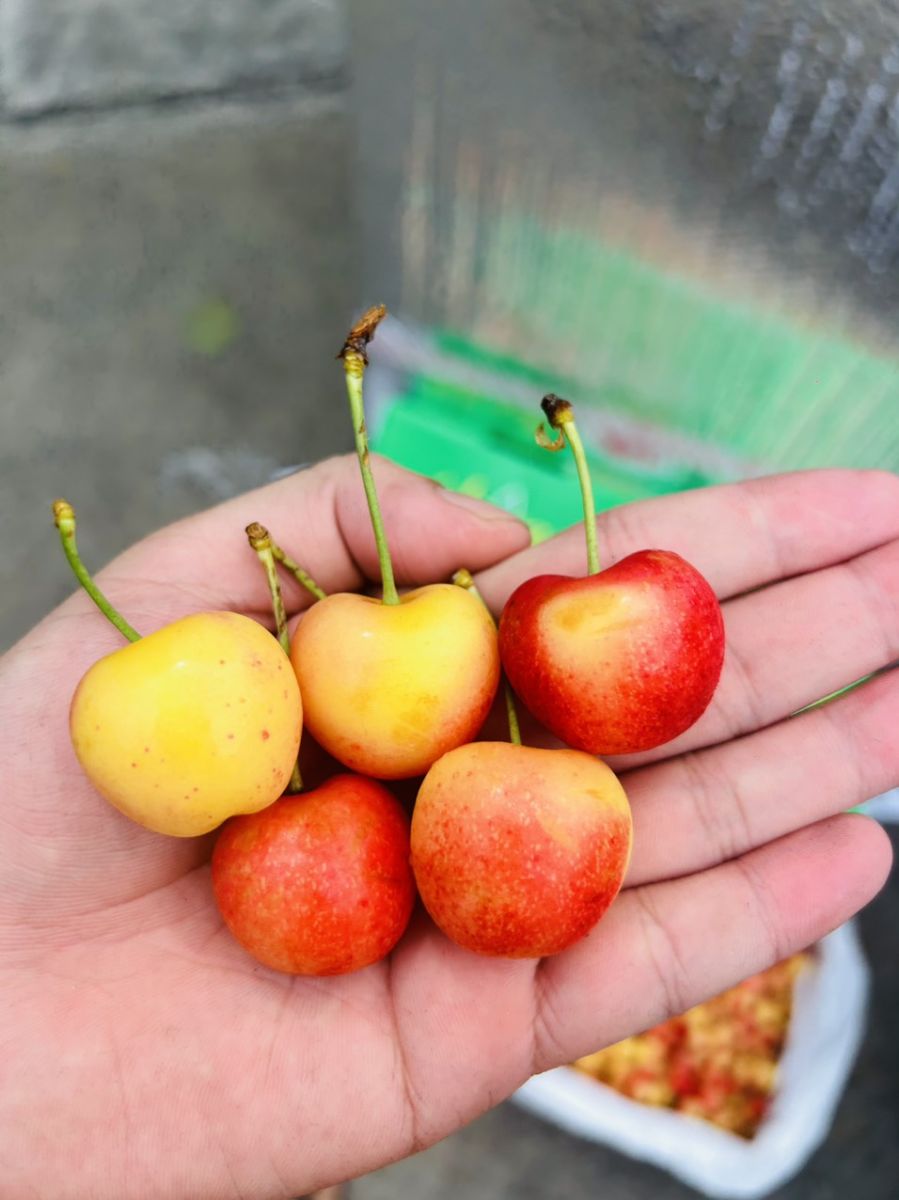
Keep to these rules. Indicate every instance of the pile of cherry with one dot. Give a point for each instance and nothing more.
(514, 850)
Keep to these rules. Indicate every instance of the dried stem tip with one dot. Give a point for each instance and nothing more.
(463, 579)
(62, 512)
(362, 332)
(258, 536)
(558, 411)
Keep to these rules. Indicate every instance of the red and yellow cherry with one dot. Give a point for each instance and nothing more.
(517, 851)
(184, 728)
(319, 883)
(617, 662)
(622, 660)
(389, 688)
(391, 684)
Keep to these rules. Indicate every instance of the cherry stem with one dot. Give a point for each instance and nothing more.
(355, 360)
(511, 713)
(260, 540)
(302, 577)
(463, 579)
(844, 691)
(560, 414)
(64, 517)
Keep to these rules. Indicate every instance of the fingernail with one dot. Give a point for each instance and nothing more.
(483, 510)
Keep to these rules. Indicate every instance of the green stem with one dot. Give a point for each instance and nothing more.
(463, 579)
(295, 783)
(844, 691)
(511, 713)
(354, 371)
(561, 417)
(354, 364)
(302, 577)
(64, 516)
(260, 540)
(583, 474)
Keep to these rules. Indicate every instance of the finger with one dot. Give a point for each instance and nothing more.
(201, 563)
(320, 518)
(699, 810)
(795, 642)
(668, 946)
(740, 535)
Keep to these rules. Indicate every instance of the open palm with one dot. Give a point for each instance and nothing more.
(142, 1053)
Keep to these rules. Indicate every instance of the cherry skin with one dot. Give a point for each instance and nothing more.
(191, 724)
(319, 883)
(388, 688)
(517, 851)
(620, 661)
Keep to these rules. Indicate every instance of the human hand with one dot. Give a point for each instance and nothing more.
(144, 1054)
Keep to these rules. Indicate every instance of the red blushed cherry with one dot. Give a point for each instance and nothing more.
(624, 659)
(617, 662)
(519, 851)
(319, 883)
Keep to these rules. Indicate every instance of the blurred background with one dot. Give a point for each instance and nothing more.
(684, 215)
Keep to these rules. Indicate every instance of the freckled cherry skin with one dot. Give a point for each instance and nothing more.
(617, 662)
(518, 852)
(190, 725)
(388, 688)
(319, 883)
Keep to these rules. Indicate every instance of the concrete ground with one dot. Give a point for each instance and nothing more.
(175, 284)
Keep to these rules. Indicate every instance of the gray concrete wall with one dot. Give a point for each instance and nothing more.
(175, 265)
(60, 54)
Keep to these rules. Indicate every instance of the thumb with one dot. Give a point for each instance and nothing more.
(320, 518)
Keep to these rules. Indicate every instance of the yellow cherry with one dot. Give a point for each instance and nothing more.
(191, 725)
(389, 688)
